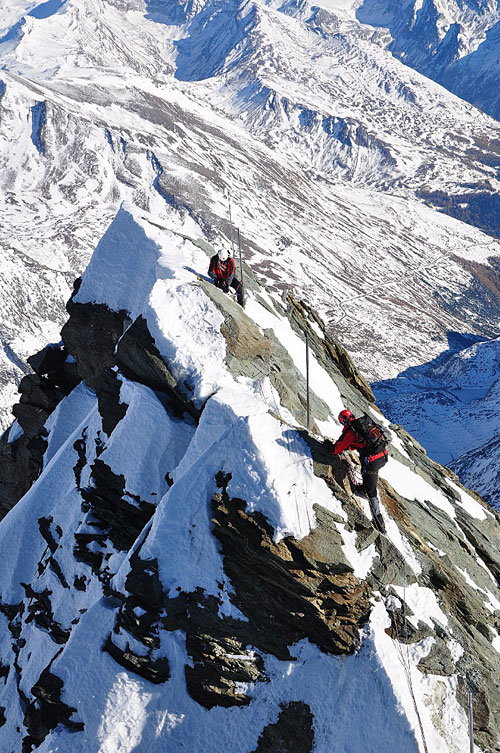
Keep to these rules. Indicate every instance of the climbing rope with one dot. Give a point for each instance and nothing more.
(397, 642)
(405, 661)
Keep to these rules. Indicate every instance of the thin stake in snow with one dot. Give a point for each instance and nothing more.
(471, 722)
(230, 222)
(241, 264)
(307, 384)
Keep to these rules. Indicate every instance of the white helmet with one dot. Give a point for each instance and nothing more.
(223, 255)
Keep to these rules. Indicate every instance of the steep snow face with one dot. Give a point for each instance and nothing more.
(122, 544)
(451, 407)
(320, 137)
(455, 43)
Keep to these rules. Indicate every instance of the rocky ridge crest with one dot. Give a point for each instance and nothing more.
(276, 591)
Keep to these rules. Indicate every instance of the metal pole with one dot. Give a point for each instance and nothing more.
(230, 221)
(471, 723)
(307, 382)
(241, 265)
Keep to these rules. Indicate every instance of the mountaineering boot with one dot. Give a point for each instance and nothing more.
(377, 515)
(359, 489)
(240, 295)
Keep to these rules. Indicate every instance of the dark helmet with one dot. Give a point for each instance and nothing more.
(345, 416)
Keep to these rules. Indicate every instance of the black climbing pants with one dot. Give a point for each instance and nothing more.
(369, 472)
(235, 284)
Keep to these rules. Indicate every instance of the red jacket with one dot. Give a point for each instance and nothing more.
(348, 440)
(221, 270)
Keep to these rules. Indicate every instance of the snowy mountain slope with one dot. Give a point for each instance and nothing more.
(186, 525)
(320, 136)
(451, 41)
(452, 408)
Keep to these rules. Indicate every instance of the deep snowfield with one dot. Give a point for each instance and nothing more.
(361, 703)
(320, 136)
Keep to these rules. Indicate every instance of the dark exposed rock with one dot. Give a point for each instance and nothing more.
(84, 549)
(219, 649)
(4, 671)
(155, 670)
(47, 711)
(20, 465)
(40, 611)
(138, 617)
(45, 528)
(401, 628)
(256, 355)
(283, 589)
(81, 448)
(80, 583)
(124, 514)
(52, 362)
(21, 461)
(287, 591)
(139, 359)
(3, 718)
(50, 358)
(91, 335)
(38, 392)
(485, 542)
(108, 400)
(143, 581)
(293, 731)
(31, 418)
(57, 570)
(220, 662)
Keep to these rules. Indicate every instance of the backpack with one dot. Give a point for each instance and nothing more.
(371, 433)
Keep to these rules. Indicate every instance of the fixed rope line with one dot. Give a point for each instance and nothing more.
(397, 642)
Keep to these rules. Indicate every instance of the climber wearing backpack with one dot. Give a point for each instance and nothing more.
(221, 270)
(368, 438)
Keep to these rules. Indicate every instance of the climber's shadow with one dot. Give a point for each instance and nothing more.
(195, 272)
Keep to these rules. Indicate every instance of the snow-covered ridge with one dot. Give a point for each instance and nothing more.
(181, 498)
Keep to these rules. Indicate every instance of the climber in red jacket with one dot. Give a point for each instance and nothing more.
(365, 436)
(222, 273)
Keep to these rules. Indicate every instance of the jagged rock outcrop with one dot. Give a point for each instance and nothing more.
(294, 723)
(200, 540)
(21, 459)
(47, 711)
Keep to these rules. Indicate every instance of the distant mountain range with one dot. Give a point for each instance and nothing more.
(331, 155)
(454, 42)
(451, 405)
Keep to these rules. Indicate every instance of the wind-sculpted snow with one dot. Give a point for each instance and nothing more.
(127, 615)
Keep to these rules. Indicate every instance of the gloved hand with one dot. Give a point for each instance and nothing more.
(328, 445)
(225, 286)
